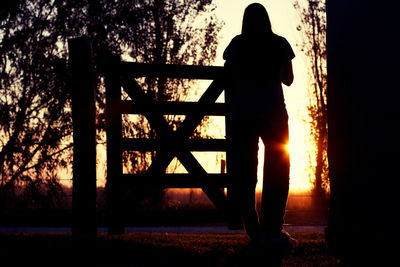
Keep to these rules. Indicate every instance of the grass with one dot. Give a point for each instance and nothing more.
(153, 249)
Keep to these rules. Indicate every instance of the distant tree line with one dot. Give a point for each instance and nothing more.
(35, 101)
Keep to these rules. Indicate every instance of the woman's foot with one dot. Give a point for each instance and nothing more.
(281, 239)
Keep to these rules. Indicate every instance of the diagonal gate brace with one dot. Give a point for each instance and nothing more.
(163, 129)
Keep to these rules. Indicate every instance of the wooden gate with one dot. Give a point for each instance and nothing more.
(168, 143)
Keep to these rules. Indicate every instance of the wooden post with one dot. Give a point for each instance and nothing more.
(364, 144)
(84, 136)
(233, 218)
(114, 152)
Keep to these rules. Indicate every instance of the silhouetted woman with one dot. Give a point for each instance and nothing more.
(257, 63)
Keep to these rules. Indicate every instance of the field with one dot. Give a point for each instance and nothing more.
(154, 249)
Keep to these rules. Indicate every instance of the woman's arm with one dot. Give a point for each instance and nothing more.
(287, 77)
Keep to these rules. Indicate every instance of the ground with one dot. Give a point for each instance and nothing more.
(154, 249)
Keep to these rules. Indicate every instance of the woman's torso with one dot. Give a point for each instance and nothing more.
(255, 72)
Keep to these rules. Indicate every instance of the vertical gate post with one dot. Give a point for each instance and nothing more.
(234, 220)
(114, 156)
(84, 137)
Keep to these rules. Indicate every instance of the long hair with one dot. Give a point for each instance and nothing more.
(256, 21)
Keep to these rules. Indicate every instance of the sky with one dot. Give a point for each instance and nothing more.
(284, 19)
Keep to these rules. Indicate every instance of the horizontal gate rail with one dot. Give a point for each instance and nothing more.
(173, 108)
(176, 180)
(142, 144)
(170, 71)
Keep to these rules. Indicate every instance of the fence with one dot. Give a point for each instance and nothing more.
(167, 144)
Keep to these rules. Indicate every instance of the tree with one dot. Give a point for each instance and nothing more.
(35, 125)
(176, 32)
(35, 106)
(313, 29)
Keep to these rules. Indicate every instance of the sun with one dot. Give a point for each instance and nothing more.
(299, 149)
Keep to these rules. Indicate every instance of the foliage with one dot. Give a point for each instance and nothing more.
(35, 125)
(35, 108)
(313, 30)
(177, 32)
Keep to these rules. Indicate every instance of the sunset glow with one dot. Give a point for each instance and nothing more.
(300, 169)
(283, 18)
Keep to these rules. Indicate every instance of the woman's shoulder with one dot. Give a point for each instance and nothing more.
(234, 45)
(280, 39)
(238, 39)
(285, 46)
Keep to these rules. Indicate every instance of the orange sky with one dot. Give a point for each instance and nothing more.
(284, 22)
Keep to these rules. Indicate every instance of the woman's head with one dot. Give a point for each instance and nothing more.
(256, 20)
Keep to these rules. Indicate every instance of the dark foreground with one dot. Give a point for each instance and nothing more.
(154, 249)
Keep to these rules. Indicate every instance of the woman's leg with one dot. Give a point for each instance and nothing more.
(275, 182)
(244, 168)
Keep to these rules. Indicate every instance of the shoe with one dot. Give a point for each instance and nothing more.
(281, 239)
(285, 238)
